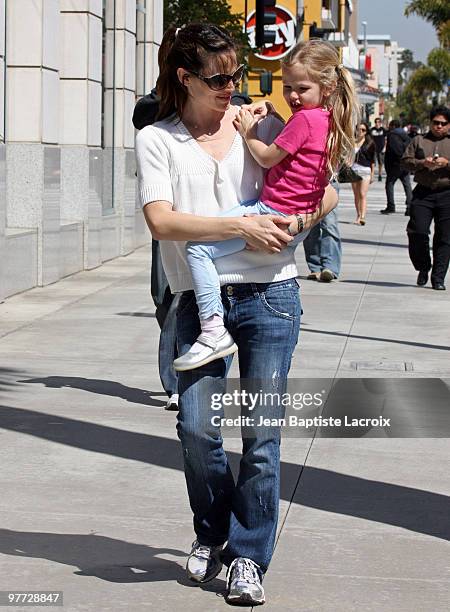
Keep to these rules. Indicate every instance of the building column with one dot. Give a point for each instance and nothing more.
(32, 101)
(120, 82)
(80, 123)
(2, 145)
(149, 32)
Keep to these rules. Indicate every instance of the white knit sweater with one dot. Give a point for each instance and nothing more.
(173, 167)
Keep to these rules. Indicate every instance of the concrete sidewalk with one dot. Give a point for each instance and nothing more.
(93, 495)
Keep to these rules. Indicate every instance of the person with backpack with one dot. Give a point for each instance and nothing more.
(396, 143)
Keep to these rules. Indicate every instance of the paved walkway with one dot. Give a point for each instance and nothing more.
(93, 496)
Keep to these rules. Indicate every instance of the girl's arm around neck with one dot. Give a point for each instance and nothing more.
(267, 156)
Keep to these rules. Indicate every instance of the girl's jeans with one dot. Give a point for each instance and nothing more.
(201, 257)
(264, 320)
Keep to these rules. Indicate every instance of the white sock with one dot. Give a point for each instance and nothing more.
(213, 326)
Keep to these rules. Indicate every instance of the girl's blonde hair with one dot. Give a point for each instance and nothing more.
(321, 62)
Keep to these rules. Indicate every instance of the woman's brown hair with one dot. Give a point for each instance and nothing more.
(187, 47)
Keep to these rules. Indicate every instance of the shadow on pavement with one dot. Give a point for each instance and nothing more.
(374, 242)
(95, 555)
(150, 315)
(438, 347)
(8, 378)
(102, 387)
(414, 509)
(377, 283)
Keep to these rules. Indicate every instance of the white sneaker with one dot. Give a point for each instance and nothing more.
(244, 583)
(211, 349)
(203, 563)
(172, 402)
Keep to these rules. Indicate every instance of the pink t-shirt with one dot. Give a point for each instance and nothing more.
(297, 183)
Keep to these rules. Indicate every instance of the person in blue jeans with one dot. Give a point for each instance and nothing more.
(314, 142)
(192, 164)
(323, 249)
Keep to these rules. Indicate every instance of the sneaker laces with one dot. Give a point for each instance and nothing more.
(244, 569)
(200, 551)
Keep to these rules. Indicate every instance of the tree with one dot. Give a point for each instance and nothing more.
(439, 60)
(181, 12)
(436, 12)
(414, 100)
(407, 65)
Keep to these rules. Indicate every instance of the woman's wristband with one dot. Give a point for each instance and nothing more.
(300, 225)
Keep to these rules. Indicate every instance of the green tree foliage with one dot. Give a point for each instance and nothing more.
(436, 12)
(427, 83)
(218, 12)
(407, 65)
(413, 101)
(439, 60)
(444, 35)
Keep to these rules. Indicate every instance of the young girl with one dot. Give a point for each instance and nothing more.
(309, 150)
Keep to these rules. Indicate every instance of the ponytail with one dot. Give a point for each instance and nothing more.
(344, 118)
(172, 93)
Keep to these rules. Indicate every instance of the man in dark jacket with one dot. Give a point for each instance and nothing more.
(396, 143)
(428, 156)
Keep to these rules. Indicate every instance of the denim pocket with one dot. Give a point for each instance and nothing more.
(282, 301)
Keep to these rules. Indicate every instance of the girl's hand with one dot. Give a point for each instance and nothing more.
(244, 122)
(261, 109)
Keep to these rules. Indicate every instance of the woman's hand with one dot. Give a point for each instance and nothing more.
(266, 232)
(329, 202)
(245, 122)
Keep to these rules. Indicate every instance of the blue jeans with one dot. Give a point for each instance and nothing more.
(264, 320)
(167, 350)
(323, 245)
(201, 257)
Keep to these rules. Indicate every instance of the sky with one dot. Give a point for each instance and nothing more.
(387, 17)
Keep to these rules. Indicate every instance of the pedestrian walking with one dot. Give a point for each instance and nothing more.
(378, 134)
(396, 143)
(323, 249)
(187, 176)
(428, 157)
(363, 165)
